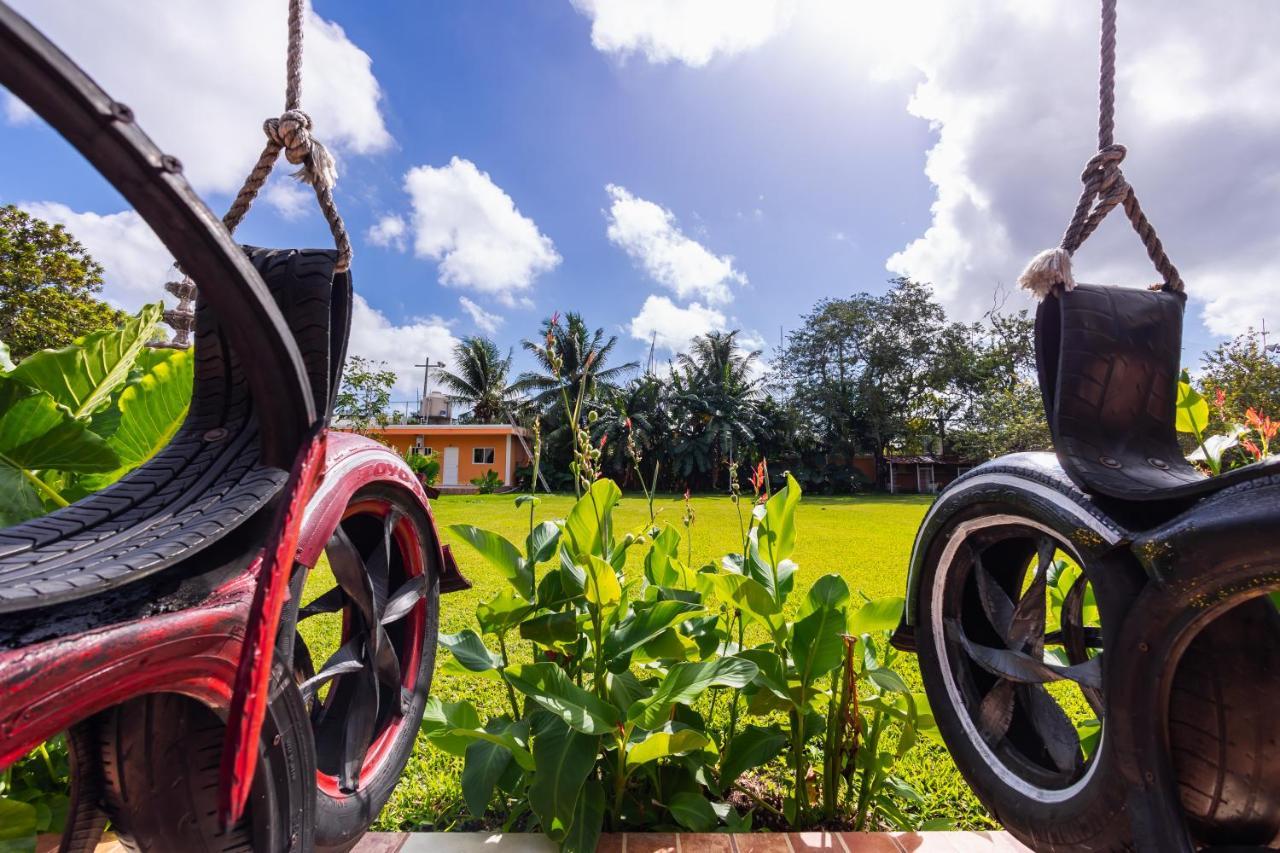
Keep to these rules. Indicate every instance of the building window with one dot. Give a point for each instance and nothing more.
(482, 456)
(420, 450)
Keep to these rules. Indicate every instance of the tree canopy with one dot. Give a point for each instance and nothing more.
(48, 286)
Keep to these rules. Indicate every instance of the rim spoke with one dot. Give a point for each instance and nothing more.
(345, 660)
(1054, 727)
(329, 602)
(995, 601)
(1026, 628)
(359, 721)
(385, 661)
(302, 664)
(378, 566)
(349, 570)
(409, 593)
(1024, 668)
(996, 711)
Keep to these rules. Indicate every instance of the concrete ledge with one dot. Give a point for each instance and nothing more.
(658, 842)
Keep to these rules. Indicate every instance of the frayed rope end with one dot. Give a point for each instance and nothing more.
(1047, 271)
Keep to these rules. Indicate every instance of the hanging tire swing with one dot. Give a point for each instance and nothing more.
(1093, 628)
(157, 621)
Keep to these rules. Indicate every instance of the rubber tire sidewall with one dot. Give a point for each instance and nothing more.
(1094, 818)
(341, 821)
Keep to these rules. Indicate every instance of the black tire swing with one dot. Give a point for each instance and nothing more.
(1093, 629)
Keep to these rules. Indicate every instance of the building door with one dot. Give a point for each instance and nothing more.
(449, 470)
(925, 482)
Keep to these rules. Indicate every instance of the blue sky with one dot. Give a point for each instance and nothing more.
(721, 169)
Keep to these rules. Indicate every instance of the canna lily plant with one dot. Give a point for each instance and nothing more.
(613, 723)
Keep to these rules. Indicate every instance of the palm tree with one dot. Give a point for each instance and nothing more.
(481, 380)
(719, 401)
(583, 355)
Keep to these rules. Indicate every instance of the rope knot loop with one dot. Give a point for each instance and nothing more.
(292, 132)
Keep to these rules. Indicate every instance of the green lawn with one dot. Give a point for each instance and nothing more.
(865, 539)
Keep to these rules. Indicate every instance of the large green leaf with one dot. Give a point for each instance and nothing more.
(778, 527)
(18, 824)
(750, 748)
(662, 566)
(563, 757)
(502, 612)
(829, 591)
(441, 720)
(549, 686)
(744, 593)
(151, 410)
(501, 554)
(602, 588)
(770, 672)
(486, 761)
(882, 614)
(540, 545)
(646, 622)
(36, 434)
(470, 651)
(84, 375)
(671, 739)
(818, 644)
(685, 682)
(588, 819)
(1191, 410)
(588, 527)
(693, 811)
(550, 629)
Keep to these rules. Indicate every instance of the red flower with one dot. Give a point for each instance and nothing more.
(1262, 423)
(627, 424)
(603, 439)
(1220, 398)
(757, 476)
(1254, 450)
(686, 495)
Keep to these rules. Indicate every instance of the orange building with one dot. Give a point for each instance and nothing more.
(464, 450)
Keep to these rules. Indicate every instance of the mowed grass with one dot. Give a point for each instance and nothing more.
(867, 540)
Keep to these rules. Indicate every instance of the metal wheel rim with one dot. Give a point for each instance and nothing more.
(954, 581)
(352, 751)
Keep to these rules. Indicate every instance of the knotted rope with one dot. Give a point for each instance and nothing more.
(1104, 188)
(290, 133)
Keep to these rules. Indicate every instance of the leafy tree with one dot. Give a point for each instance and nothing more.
(1247, 374)
(365, 394)
(481, 380)
(48, 284)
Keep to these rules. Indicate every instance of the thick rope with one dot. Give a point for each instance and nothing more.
(1104, 188)
(290, 133)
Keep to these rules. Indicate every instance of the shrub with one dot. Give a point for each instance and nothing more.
(426, 467)
(489, 483)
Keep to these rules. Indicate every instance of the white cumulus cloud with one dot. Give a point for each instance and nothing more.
(388, 232)
(135, 263)
(289, 198)
(1195, 108)
(649, 234)
(689, 31)
(201, 77)
(374, 336)
(671, 327)
(467, 223)
(485, 320)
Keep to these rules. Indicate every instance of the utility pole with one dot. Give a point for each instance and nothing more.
(426, 380)
(652, 343)
(1264, 335)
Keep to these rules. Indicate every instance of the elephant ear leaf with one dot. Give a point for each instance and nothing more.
(37, 434)
(152, 409)
(83, 376)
